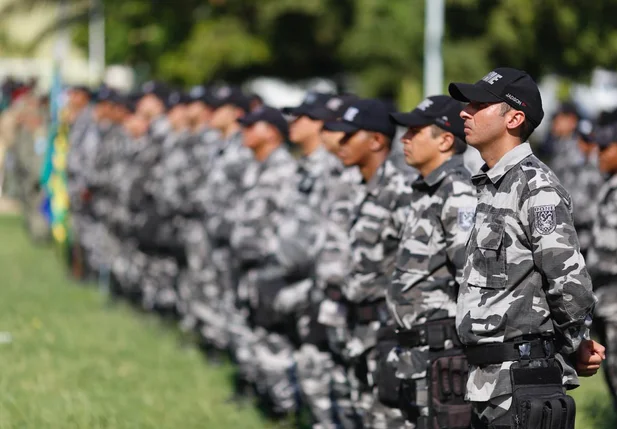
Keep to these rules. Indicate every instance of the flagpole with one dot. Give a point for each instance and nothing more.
(96, 42)
(433, 35)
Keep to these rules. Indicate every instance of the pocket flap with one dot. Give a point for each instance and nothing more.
(490, 236)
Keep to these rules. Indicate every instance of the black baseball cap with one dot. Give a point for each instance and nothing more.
(333, 108)
(127, 101)
(504, 84)
(439, 110)
(105, 94)
(586, 130)
(82, 88)
(311, 101)
(269, 115)
(364, 114)
(176, 98)
(230, 95)
(568, 108)
(606, 136)
(200, 93)
(156, 88)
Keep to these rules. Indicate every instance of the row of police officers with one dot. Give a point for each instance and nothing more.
(371, 295)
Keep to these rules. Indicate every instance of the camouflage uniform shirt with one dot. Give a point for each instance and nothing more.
(268, 186)
(223, 188)
(380, 211)
(602, 258)
(583, 181)
(524, 273)
(430, 258)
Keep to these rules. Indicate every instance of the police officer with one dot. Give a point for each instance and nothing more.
(200, 112)
(525, 300)
(601, 258)
(560, 148)
(260, 342)
(583, 181)
(141, 226)
(83, 143)
(315, 367)
(429, 264)
(379, 212)
(218, 198)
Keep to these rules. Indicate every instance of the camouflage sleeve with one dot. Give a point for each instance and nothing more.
(299, 237)
(254, 232)
(547, 221)
(457, 217)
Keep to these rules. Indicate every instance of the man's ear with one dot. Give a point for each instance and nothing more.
(446, 142)
(378, 142)
(514, 118)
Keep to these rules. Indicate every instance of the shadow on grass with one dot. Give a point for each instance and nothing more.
(594, 407)
(597, 413)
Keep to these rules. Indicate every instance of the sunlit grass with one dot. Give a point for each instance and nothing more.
(68, 360)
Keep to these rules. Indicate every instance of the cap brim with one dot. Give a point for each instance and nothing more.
(296, 111)
(341, 126)
(411, 119)
(468, 92)
(320, 114)
(248, 120)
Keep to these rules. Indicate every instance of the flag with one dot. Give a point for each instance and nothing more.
(53, 172)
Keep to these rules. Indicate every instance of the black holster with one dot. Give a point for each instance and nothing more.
(388, 385)
(447, 375)
(539, 400)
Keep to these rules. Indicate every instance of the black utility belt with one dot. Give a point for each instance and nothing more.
(365, 313)
(497, 353)
(359, 313)
(334, 293)
(433, 334)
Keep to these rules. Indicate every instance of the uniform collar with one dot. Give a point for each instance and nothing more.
(505, 164)
(611, 181)
(380, 178)
(436, 176)
(278, 155)
(314, 162)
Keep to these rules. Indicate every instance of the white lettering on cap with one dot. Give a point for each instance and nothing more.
(516, 100)
(197, 91)
(223, 92)
(310, 98)
(334, 103)
(351, 114)
(492, 77)
(425, 104)
(174, 98)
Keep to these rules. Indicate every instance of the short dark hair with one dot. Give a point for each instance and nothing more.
(526, 128)
(459, 144)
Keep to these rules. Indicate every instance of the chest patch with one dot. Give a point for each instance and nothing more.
(465, 219)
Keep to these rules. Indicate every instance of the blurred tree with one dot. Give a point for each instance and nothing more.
(567, 37)
(385, 47)
(374, 44)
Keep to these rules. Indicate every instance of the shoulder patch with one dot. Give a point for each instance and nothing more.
(466, 217)
(545, 219)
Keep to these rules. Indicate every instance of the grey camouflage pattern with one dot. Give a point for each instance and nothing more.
(583, 181)
(603, 269)
(430, 263)
(431, 255)
(524, 273)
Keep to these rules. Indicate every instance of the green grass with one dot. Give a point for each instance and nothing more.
(594, 408)
(74, 362)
